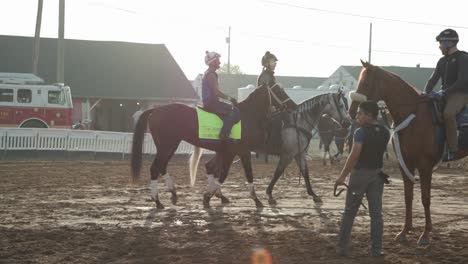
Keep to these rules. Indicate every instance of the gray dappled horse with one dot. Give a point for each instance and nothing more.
(295, 136)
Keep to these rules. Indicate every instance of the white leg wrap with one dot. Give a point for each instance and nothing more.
(169, 182)
(213, 184)
(154, 189)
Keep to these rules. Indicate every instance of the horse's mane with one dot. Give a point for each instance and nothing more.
(313, 104)
(250, 96)
(380, 72)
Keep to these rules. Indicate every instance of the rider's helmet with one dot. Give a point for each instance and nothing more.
(211, 56)
(448, 35)
(266, 58)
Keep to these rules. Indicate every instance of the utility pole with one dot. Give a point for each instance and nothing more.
(370, 43)
(37, 37)
(228, 41)
(60, 44)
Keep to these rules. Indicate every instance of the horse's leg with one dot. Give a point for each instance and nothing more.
(409, 188)
(324, 158)
(169, 181)
(220, 167)
(247, 164)
(154, 182)
(285, 159)
(302, 164)
(425, 174)
(212, 170)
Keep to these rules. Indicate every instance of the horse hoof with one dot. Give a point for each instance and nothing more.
(174, 198)
(224, 199)
(159, 205)
(272, 201)
(317, 199)
(423, 241)
(401, 237)
(206, 200)
(258, 204)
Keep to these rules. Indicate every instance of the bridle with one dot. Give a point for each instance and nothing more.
(271, 94)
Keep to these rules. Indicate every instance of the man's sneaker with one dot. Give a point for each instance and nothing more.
(449, 156)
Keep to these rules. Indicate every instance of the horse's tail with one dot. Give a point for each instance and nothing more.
(194, 160)
(137, 146)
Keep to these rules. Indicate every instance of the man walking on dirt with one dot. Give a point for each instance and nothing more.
(365, 163)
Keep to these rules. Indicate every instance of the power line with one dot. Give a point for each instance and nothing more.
(272, 37)
(360, 16)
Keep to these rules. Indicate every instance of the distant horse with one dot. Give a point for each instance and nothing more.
(419, 148)
(172, 123)
(295, 135)
(329, 130)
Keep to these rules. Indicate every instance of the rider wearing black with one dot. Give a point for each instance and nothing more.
(453, 70)
(268, 75)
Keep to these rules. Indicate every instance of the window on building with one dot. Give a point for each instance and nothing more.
(24, 96)
(55, 97)
(6, 95)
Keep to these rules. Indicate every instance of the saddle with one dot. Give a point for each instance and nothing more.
(437, 105)
(210, 124)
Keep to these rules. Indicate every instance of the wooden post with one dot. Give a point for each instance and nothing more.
(60, 44)
(37, 37)
(370, 43)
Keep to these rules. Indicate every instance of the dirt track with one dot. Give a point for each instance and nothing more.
(86, 212)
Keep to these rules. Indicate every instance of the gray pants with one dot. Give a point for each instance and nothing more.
(370, 183)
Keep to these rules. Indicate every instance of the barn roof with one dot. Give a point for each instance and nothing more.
(103, 69)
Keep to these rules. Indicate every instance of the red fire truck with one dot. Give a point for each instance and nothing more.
(25, 101)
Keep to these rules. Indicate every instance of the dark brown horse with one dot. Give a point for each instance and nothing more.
(292, 143)
(172, 123)
(417, 141)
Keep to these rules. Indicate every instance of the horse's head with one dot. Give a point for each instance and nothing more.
(368, 87)
(337, 108)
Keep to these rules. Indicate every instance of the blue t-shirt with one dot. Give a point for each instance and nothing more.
(359, 136)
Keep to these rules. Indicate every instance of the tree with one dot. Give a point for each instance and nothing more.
(235, 69)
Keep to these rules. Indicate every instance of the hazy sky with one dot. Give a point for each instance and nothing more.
(310, 38)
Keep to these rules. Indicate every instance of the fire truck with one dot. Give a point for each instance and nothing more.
(25, 101)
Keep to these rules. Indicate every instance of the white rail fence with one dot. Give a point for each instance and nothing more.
(76, 140)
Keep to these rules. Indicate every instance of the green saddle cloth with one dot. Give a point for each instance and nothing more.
(209, 126)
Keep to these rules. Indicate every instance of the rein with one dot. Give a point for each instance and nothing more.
(342, 190)
(271, 93)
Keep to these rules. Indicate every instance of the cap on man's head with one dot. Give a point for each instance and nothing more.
(448, 35)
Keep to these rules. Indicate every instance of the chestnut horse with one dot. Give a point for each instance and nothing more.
(172, 123)
(418, 144)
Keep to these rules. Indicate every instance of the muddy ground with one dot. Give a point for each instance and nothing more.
(87, 212)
